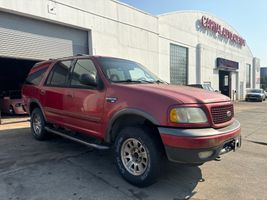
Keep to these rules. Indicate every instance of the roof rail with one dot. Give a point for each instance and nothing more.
(81, 54)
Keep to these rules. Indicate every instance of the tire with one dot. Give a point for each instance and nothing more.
(11, 110)
(38, 125)
(135, 147)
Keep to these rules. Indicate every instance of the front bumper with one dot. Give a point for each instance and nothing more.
(254, 98)
(196, 146)
(20, 110)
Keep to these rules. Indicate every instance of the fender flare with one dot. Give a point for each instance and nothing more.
(39, 104)
(128, 111)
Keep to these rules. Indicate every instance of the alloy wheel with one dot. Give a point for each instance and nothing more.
(135, 157)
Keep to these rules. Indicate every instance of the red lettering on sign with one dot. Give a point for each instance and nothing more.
(222, 31)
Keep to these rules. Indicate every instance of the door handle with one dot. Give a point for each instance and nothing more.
(70, 95)
(42, 92)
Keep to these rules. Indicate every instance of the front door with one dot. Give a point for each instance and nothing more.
(225, 82)
(83, 104)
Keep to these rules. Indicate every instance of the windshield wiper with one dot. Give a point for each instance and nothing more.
(127, 81)
(160, 81)
(139, 81)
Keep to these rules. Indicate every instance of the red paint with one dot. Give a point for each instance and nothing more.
(198, 142)
(88, 112)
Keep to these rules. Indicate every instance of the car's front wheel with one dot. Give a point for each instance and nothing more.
(38, 125)
(138, 155)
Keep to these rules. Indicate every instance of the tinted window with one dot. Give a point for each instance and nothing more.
(82, 66)
(36, 77)
(255, 91)
(59, 74)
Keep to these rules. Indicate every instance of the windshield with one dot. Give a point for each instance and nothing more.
(208, 87)
(125, 71)
(255, 91)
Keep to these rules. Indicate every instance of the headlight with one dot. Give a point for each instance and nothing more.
(188, 115)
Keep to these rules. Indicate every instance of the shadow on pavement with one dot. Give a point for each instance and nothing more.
(31, 163)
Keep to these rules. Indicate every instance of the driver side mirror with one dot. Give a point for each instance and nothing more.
(88, 79)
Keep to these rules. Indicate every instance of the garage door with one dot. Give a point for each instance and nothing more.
(23, 37)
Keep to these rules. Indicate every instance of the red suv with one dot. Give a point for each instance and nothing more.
(109, 102)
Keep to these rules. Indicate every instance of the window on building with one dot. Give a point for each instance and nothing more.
(178, 64)
(248, 76)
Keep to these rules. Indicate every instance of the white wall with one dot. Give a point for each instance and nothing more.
(184, 28)
(117, 30)
(122, 31)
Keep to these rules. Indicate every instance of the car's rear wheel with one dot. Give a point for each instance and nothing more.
(138, 155)
(38, 125)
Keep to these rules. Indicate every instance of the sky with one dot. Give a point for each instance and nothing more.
(249, 18)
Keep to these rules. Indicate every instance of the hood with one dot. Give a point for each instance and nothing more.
(181, 94)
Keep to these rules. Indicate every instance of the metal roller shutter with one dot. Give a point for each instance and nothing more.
(23, 37)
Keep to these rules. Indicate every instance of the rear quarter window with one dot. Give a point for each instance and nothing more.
(35, 78)
(58, 76)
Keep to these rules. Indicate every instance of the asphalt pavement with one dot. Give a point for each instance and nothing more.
(59, 169)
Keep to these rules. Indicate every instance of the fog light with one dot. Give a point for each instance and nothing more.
(205, 154)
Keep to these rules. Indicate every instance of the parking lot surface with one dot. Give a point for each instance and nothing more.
(59, 169)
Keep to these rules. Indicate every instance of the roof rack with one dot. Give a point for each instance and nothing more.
(82, 54)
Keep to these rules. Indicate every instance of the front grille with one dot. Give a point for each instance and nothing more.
(251, 95)
(222, 114)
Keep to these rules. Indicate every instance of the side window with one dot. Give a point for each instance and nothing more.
(36, 77)
(82, 66)
(59, 74)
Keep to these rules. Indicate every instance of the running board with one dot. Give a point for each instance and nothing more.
(97, 146)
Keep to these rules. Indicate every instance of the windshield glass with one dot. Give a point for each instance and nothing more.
(255, 91)
(120, 71)
(208, 87)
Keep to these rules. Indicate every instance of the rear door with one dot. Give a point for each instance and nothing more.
(54, 90)
(83, 104)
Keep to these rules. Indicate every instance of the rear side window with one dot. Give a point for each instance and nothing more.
(59, 74)
(36, 77)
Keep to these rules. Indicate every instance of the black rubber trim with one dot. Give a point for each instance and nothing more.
(128, 111)
(39, 104)
(190, 156)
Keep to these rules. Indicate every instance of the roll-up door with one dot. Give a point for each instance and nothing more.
(23, 37)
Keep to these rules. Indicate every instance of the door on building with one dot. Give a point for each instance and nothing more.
(225, 82)
(25, 41)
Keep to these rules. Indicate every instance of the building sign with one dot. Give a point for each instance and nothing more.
(222, 31)
(227, 64)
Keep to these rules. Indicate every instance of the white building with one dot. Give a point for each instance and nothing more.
(183, 47)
